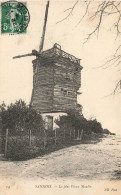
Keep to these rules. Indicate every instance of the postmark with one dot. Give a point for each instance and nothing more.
(15, 17)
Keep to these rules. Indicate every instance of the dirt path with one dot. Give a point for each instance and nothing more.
(80, 162)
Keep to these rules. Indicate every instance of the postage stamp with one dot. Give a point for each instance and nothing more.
(15, 17)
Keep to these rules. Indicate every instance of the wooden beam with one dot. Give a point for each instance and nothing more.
(25, 55)
(6, 142)
(34, 53)
(44, 28)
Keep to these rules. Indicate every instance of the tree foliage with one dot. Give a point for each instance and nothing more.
(19, 117)
(74, 120)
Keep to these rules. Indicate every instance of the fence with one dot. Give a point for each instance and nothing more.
(29, 141)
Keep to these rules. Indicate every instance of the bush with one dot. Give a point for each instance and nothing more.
(106, 131)
(74, 120)
(22, 152)
(95, 126)
(19, 117)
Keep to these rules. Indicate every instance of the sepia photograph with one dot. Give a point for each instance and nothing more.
(60, 97)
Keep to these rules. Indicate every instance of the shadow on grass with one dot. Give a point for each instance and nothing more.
(23, 152)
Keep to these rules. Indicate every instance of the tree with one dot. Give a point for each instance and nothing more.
(75, 121)
(19, 117)
(71, 121)
(95, 126)
(98, 12)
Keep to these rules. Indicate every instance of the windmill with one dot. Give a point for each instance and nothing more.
(56, 79)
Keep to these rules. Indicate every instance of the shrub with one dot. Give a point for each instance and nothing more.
(19, 117)
(95, 126)
(74, 120)
(106, 131)
(20, 151)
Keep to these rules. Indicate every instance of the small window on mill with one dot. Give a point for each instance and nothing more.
(69, 93)
(68, 76)
(66, 93)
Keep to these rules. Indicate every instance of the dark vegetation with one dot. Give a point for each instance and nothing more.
(19, 117)
(106, 131)
(27, 137)
(75, 120)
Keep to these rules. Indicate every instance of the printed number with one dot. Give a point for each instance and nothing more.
(8, 187)
(5, 27)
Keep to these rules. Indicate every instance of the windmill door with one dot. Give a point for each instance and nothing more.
(50, 123)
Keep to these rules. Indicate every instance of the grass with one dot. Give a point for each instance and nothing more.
(19, 149)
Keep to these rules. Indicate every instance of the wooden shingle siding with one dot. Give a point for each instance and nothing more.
(55, 83)
(65, 96)
(64, 101)
(43, 88)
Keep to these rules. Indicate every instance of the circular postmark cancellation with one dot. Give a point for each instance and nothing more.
(14, 17)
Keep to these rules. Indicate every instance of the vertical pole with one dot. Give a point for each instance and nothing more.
(6, 142)
(16, 139)
(45, 141)
(74, 133)
(70, 133)
(55, 136)
(30, 139)
(81, 134)
(78, 133)
(64, 133)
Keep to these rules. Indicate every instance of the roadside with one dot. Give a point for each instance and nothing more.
(81, 162)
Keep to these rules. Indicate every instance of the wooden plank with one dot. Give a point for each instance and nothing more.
(6, 142)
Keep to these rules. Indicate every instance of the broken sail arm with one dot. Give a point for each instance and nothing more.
(34, 53)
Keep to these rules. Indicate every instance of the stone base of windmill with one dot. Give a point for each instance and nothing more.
(49, 119)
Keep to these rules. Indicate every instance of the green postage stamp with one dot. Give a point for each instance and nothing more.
(14, 17)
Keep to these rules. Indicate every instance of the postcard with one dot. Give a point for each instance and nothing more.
(60, 93)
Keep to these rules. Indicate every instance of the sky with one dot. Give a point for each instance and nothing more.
(16, 75)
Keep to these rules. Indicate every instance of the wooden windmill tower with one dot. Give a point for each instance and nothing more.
(56, 80)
